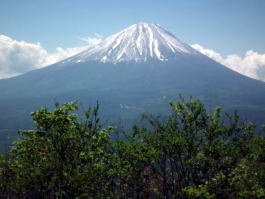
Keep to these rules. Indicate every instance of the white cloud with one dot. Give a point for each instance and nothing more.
(17, 57)
(251, 65)
(93, 40)
(61, 54)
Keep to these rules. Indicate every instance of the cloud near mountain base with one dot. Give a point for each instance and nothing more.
(251, 65)
(18, 57)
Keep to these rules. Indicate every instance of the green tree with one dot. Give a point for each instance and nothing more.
(62, 158)
(195, 148)
(192, 153)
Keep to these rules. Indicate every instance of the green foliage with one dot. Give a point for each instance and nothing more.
(190, 154)
(248, 178)
(60, 159)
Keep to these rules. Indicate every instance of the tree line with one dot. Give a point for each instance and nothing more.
(193, 153)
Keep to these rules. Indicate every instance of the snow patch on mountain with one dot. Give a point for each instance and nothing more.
(140, 42)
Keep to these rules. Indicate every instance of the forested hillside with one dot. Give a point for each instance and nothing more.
(190, 154)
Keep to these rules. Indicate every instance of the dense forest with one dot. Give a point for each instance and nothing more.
(193, 153)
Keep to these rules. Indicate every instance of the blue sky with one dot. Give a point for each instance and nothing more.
(228, 26)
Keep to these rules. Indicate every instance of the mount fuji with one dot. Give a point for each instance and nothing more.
(134, 71)
(139, 43)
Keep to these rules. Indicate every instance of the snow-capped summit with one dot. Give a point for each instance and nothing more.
(139, 42)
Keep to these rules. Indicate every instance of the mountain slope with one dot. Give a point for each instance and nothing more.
(128, 83)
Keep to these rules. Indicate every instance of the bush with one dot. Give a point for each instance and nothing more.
(191, 154)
